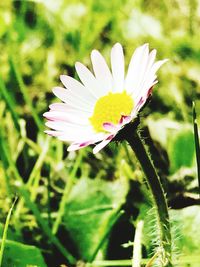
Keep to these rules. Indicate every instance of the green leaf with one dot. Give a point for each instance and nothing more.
(10, 234)
(187, 239)
(181, 149)
(178, 140)
(92, 209)
(20, 255)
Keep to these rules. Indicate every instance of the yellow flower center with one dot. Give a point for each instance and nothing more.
(110, 108)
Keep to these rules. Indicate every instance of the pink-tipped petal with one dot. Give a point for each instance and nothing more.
(90, 140)
(77, 146)
(110, 127)
(140, 102)
(103, 144)
(124, 120)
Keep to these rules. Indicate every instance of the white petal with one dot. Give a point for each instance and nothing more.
(137, 68)
(147, 84)
(152, 57)
(77, 139)
(149, 78)
(63, 107)
(60, 107)
(151, 71)
(53, 133)
(73, 101)
(117, 63)
(103, 144)
(69, 127)
(101, 71)
(68, 137)
(88, 80)
(72, 117)
(158, 64)
(77, 88)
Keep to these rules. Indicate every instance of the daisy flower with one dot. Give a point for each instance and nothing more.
(97, 108)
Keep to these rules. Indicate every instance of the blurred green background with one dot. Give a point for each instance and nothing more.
(80, 206)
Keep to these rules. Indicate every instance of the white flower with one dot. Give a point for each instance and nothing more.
(95, 109)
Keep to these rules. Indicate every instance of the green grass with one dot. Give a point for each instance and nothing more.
(72, 206)
(4, 237)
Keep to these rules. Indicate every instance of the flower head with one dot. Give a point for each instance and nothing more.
(97, 108)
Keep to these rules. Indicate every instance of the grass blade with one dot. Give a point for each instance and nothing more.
(196, 140)
(24, 193)
(66, 192)
(25, 94)
(3, 242)
(10, 102)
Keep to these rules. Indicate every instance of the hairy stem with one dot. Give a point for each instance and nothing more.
(158, 195)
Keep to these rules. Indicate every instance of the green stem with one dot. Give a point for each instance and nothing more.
(159, 199)
(182, 261)
(137, 245)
